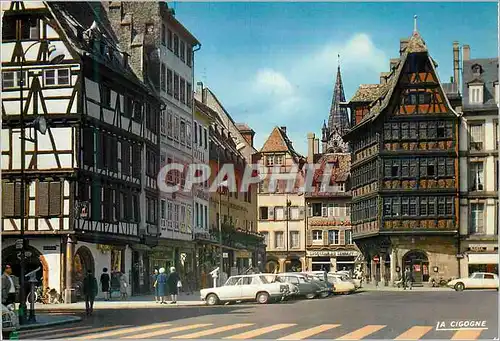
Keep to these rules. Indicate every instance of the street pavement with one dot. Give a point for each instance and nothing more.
(365, 315)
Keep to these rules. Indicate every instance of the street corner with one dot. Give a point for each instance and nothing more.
(48, 320)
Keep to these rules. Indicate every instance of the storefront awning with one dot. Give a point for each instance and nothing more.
(484, 258)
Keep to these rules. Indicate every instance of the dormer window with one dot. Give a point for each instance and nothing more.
(476, 93)
(476, 69)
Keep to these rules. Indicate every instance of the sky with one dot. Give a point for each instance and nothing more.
(275, 64)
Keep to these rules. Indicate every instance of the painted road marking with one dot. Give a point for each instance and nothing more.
(122, 331)
(30, 333)
(260, 331)
(78, 333)
(414, 333)
(304, 334)
(167, 331)
(362, 332)
(212, 331)
(466, 334)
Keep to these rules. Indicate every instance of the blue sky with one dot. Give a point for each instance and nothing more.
(274, 64)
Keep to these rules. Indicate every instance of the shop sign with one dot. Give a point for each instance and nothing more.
(225, 255)
(376, 259)
(478, 248)
(332, 253)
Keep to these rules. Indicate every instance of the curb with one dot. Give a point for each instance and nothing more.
(68, 320)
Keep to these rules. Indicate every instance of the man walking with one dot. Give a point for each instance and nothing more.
(90, 292)
(105, 279)
(8, 286)
(407, 279)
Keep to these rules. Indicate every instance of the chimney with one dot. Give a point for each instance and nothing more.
(393, 63)
(402, 45)
(456, 64)
(247, 133)
(466, 52)
(316, 146)
(283, 128)
(383, 77)
(310, 147)
(201, 91)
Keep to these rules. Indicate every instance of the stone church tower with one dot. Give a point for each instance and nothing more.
(338, 121)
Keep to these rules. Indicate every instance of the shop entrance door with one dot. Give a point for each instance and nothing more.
(418, 262)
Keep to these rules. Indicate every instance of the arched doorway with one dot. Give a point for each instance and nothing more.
(293, 265)
(33, 260)
(83, 261)
(419, 264)
(272, 266)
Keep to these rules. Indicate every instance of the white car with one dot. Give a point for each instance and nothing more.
(293, 289)
(10, 322)
(245, 288)
(341, 284)
(477, 280)
(345, 274)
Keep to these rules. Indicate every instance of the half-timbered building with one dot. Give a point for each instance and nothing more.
(404, 169)
(329, 243)
(87, 183)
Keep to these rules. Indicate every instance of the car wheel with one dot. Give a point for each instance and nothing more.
(324, 294)
(212, 299)
(310, 296)
(263, 297)
(459, 286)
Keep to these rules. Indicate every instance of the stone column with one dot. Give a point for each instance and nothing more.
(393, 266)
(373, 268)
(382, 269)
(303, 263)
(69, 292)
(282, 264)
(333, 266)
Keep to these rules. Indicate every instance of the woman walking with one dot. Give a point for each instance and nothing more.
(123, 286)
(154, 278)
(173, 281)
(105, 283)
(161, 282)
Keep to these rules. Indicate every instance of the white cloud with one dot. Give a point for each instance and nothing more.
(273, 83)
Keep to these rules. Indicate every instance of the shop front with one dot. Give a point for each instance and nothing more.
(482, 262)
(331, 260)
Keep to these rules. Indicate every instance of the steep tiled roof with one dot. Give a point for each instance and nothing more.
(488, 76)
(243, 127)
(415, 45)
(278, 141)
(368, 92)
(340, 163)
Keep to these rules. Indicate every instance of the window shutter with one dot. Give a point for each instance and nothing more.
(309, 210)
(324, 210)
(55, 198)
(325, 238)
(270, 213)
(301, 212)
(42, 199)
(8, 199)
(309, 237)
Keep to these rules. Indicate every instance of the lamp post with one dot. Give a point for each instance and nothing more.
(40, 125)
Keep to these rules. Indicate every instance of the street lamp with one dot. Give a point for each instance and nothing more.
(288, 205)
(40, 124)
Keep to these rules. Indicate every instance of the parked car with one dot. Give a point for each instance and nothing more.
(245, 288)
(344, 275)
(275, 278)
(319, 278)
(477, 280)
(10, 322)
(341, 284)
(307, 288)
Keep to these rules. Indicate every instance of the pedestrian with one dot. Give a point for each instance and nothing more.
(154, 278)
(105, 280)
(8, 286)
(173, 282)
(123, 286)
(407, 278)
(90, 289)
(161, 283)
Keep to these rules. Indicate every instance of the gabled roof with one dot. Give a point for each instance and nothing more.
(340, 171)
(368, 92)
(476, 80)
(415, 45)
(278, 141)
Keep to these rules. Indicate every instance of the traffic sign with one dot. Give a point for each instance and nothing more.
(376, 259)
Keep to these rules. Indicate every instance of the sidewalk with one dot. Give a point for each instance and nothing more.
(45, 320)
(133, 302)
(381, 287)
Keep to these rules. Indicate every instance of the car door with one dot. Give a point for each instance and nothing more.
(476, 282)
(231, 289)
(490, 282)
(249, 286)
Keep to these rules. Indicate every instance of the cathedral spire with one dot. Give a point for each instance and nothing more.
(338, 119)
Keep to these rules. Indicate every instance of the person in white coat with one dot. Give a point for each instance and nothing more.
(123, 286)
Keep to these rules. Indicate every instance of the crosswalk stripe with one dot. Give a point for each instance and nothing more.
(167, 331)
(304, 334)
(212, 331)
(260, 331)
(29, 333)
(466, 334)
(414, 333)
(362, 332)
(78, 333)
(122, 331)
